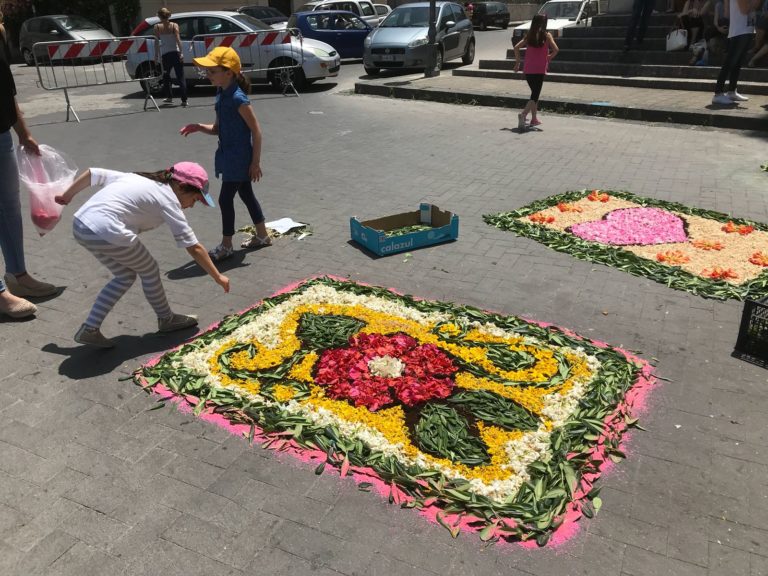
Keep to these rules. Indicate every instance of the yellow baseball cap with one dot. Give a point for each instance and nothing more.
(221, 56)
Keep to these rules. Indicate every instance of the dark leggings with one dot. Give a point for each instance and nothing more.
(173, 60)
(737, 49)
(227, 205)
(535, 82)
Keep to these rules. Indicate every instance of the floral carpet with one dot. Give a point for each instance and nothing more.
(704, 252)
(482, 422)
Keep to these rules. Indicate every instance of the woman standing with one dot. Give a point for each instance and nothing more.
(741, 31)
(17, 283)
(172, 55)
(539, 52)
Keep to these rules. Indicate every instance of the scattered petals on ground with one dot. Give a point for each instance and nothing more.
(700, 251)
(483, 422)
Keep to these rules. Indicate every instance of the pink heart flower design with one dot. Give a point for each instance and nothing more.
(638, 226)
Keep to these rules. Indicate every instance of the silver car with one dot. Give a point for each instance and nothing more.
(57, 28)
(400, 41)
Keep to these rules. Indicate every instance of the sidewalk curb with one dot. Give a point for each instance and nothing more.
(565, 107)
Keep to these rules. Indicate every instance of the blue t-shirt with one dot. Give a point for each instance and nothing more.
(235, 151)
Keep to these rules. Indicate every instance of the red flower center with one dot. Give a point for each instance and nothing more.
(354, 373)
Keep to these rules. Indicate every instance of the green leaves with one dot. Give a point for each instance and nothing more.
(495, 409)
(328, 331)
(442, 432)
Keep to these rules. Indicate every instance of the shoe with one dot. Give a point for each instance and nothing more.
(722, 100)
(535, 122)
(183, 103)
(221, 252)
(176, 322)
(254, 241)
(18, 308)
(25, 286)
(520, 122)
(736, 97)
(168, 100)
(93, 337)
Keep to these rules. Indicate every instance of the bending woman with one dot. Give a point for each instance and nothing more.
(108, 224)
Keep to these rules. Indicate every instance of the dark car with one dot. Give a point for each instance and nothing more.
(340, 28)
(266, 14)
(57, 28)
(486, 14)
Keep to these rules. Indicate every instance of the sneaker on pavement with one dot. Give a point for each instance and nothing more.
(176, 322)
(736, 97)
(168, 100)
(25, 285)
(93, 337)
(722, 100)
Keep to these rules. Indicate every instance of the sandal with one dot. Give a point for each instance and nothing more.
(221, 252)
(254, 241)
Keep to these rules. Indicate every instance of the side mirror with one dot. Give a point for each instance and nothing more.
(449, 24)
(53, 31)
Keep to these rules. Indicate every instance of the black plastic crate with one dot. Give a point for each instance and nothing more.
(752, 343)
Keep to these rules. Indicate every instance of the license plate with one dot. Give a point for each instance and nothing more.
(388, 57)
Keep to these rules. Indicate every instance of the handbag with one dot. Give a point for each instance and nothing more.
(677, 39)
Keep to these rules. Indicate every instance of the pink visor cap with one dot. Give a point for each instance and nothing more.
(195, 175)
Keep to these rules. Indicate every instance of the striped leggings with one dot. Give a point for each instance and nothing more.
(125, 262)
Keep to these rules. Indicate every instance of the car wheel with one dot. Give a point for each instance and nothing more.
(371, 71)
(439, 59)
(469, 53)
(153, 86)
(505, 25)
(29, 59)
(288, 73)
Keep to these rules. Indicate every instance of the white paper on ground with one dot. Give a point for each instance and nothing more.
(283, 225)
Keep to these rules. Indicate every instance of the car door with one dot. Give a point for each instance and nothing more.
(463, 26)
(319, 26)
(448, 37)
(349, 33)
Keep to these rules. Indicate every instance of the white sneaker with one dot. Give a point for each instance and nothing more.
(736, 97)
(722, 100)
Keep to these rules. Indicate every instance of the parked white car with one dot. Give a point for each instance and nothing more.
(382, 10)
(318, 59)
(560, 14)
(362, 8)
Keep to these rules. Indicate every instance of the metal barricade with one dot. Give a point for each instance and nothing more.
(274, 56)
(83, 63)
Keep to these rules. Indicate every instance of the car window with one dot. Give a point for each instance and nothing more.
(250, 23)
(213, 25)
(407, 17)
(458, 13)
(186, 28)
(357, 23)
(561, 9)
(76, 23)
(446, 15)
(366, 9)
(36, 25)
(381, 10)
(47, 25)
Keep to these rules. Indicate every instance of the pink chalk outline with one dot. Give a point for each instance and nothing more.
(615, 426)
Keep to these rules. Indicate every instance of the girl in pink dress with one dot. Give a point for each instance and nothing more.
(540, 48)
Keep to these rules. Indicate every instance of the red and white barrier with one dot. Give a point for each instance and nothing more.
(248, 40)
(96, 48)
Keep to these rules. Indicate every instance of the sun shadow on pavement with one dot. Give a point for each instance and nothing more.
(83, 362)
(192, 270)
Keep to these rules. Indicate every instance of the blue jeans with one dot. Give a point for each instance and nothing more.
(11, 231)
(172, 60)
(737, 50)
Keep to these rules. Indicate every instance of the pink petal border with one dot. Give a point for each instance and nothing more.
(615, 426)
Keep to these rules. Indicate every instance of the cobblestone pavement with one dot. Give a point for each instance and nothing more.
(94, 481)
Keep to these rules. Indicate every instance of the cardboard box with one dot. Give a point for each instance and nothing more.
(371, 233)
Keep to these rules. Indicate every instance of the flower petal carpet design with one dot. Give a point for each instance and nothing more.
(482, 422)
(700, 251)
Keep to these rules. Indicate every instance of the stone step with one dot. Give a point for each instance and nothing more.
(657, 19)
(692, 84)
(633, 70)
(568, 44)
(610, 32)
(658, 57)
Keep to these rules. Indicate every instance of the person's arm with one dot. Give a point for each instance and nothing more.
(179, 46)
(200, 255)
(210, 129)
(246, 113)
(20, 127)
(81, 182)
(553, 48)
(517, 47)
